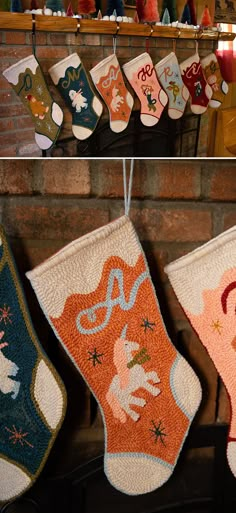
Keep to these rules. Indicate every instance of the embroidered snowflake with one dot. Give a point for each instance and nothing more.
(216, 326)
(18, 436)
(147, 325)
(39, 89)
(5, 314)
(94, 356)
(158, 432)
(49, 127)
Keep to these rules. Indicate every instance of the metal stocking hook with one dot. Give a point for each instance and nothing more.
(115, 38)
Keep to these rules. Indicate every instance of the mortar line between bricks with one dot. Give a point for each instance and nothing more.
(88, 201)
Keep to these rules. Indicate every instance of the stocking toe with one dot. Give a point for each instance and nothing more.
(136, 474)
(13, 480)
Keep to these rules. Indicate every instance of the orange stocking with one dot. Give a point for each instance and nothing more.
(98, 297)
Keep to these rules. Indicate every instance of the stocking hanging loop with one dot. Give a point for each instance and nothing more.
(33, 34)
(174, 45)
(127, 195)
(114, 44)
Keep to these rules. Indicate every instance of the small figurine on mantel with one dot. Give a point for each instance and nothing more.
(147, 10)
(54, 6)
(115, 5)
(206, 20)
(16, 6)
(34, 5)
(171, 6)
(5, 5)
(165, 20)
(86, 7)
(192, 9)
(186, 15)
(69, 11)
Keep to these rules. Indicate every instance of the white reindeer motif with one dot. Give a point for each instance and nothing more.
(129, 378)
(78, 100)
(7, 369)
(116, 100)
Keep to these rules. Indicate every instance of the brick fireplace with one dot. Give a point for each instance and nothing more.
(16, 127)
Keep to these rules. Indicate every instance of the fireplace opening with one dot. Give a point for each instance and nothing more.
(168, 138)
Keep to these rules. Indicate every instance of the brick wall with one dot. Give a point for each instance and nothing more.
(177, 205)
(16, 126)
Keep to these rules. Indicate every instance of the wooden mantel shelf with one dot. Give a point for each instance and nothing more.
(18, 21)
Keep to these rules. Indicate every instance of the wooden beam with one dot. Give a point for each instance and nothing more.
(19, 21)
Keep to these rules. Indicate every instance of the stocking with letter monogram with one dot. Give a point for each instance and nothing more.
(72, 81)
(215, 80)
(169, 75)
(27, 80)
(98, 296)
(204, 282)
(108, 79)
(194, 79)
(141, 74)
(32, 396)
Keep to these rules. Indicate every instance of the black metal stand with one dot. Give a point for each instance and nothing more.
(165, 139)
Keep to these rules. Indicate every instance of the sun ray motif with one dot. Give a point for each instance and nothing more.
(5, 314)
(18, 436)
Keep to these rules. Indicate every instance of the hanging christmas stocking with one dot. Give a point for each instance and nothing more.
(205, 284)
(169, 76)
(109, 82)
(215, 80)
(71, 79)
(142, 76)
(194, 79)
(32, 396)
(98, 297)
(28, 82)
